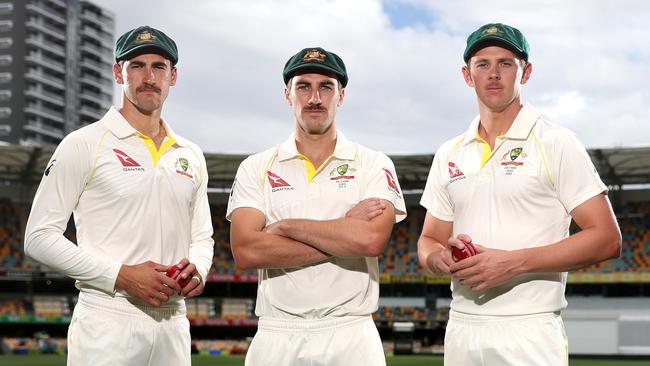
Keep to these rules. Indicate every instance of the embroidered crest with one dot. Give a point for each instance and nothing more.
(313, 55)
(145, 36)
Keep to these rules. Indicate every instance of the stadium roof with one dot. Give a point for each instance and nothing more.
(625, 165)
(617, 166)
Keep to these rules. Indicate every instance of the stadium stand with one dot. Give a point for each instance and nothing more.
(41, 342)
(11, 237)
(399, 258)
(401, 313)
(221, 347)
(222, 262)
(634, 221)
(12, 308)
(51, 306)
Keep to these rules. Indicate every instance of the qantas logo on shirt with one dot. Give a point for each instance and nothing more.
(391, 181)
(454, 172)
(277, 183)
(128, 163)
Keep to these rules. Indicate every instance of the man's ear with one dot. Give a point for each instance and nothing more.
(528, 69)
(117, 73)
(467, 75)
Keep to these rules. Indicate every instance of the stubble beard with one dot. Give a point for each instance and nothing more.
(318, 127)
(146, 104)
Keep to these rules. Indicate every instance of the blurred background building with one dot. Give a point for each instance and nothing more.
(55, 68)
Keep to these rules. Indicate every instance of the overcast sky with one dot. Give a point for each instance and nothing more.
(406, 94)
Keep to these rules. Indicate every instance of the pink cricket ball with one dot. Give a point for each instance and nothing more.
(460, 254)
(174, 273)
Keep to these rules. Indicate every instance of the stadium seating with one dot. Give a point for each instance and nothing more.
(51, 306)
(40, 343)
(634, 221)
(223, 262)
(11, 238)
(399, 258)
(225, 308)
(222, 346)
(13, 307)
(400, 313)
(12, 255)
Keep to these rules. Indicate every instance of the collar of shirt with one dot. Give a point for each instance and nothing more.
(121, 128)
(519, 130)
(344, 149)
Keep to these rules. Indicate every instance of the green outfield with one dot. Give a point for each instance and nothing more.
(40, 360)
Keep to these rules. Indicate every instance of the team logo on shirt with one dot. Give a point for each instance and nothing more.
(181, 167)
(183, 163)
(454, 172)
(277, 183)
(512, 159)
(128, 163)
(342, 169)
(514, 153)
(392, 185)
(342, 175)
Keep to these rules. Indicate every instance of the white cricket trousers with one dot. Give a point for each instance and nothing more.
(112, 331)
(343, 341)
(523, 340)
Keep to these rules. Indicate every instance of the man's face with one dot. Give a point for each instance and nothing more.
(314, 99)
(496, 75)
(145, 80)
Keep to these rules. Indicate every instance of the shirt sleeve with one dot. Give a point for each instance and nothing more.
(202, 245)
(576, 177)
(435, 197)
(57, 196)
(381, 182)
(247, 189)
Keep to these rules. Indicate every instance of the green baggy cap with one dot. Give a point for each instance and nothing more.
(497, 34)
(317, 60)
(145, 40)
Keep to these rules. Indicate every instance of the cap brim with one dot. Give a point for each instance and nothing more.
(147, 48)
(317, 68)
(493, 41)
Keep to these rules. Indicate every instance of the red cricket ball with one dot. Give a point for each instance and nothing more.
(174, 272)
(460, 254)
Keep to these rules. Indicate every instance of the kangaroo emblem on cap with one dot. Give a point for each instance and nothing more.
(314, 55)
(145, 36)
(491, 30)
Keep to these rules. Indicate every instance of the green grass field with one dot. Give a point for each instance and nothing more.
(40, 360)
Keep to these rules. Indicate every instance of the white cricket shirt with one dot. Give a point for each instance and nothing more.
(519, 196)
(277, 183)
(127, 209)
